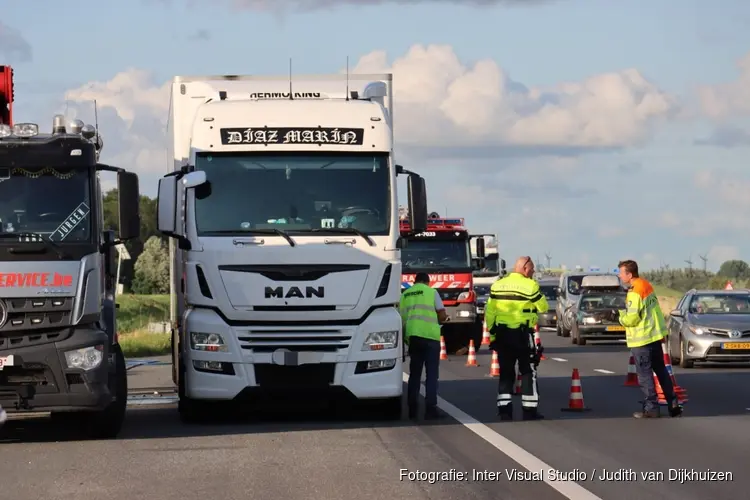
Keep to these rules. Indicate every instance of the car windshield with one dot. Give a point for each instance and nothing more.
(436, 254)
(574, 284)
(549, 291)
(602, 301)
(720, 304)
(491, 266)
(45, 202)
(294, 192)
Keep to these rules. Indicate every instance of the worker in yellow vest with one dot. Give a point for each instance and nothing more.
(422, 312)
(644, 330)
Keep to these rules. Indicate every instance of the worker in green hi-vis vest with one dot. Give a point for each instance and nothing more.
(422, 312)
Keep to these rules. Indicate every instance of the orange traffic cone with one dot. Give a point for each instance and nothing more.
(519, 380)
(632, 378)
(485, 335)
(575, 403)
(494, 366)
(680, 392)
(659, 392)
(472, 359)
(538, 339)
(443, 350)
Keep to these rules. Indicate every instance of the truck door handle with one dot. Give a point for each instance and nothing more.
(243, 242)
(340, 242)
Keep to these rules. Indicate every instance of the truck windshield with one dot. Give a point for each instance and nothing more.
(436, 254)
(48, 202)
(294, 192)
(491, 266)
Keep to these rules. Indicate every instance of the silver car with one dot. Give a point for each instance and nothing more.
(710, 325)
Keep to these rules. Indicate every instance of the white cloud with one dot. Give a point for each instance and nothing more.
(731, 99)
(718, 254)
(13, 45)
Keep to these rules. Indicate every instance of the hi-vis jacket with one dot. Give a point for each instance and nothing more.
(643, 320)
(514, 301)
(417, 308)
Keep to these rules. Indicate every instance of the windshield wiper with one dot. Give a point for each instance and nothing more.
(277, 232)
(346, 230)
(37, 238)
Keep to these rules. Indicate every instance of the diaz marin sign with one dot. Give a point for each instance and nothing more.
(317, 135)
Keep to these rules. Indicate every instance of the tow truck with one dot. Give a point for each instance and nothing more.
(442, 251)
(59, 350)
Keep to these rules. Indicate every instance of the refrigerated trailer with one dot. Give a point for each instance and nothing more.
(282, 208)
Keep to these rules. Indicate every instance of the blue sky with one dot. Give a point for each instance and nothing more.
(593, 130)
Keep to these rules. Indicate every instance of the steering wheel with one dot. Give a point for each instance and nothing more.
(358, 208)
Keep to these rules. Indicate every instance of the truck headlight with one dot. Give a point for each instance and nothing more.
(377, 341)
(211, 342)
(463, 296)
(86, 358)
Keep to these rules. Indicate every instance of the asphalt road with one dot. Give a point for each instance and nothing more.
(329, 457)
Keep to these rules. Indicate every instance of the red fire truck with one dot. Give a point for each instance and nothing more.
(443, 252)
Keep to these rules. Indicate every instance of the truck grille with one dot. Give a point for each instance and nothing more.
(37, 313)
(318, 340)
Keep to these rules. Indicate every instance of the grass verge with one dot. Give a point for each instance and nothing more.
(142, 344)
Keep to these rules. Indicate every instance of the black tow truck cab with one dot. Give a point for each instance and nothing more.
(59, 351)
(596, 311)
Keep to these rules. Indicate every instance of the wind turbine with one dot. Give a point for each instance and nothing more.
(704, 258)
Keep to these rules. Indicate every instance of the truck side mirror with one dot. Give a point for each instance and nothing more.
(129, 199)
(166, 206)
(480, 248)
(502, 264)
(417, 203)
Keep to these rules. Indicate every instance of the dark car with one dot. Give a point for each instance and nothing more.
(596, 316)
(549, 288)
(483, 293)
(710, 325)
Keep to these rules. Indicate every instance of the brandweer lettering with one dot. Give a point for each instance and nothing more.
(28, 280)
(433, 277)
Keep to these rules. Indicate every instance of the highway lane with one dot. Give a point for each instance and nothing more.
(711, 434)
(158, 457)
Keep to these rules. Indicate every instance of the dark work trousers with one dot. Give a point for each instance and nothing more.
(516, 345)
(423, 353)
(649, 360)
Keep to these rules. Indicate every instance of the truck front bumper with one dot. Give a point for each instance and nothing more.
(257, 363)
(39, 379)
(463, 313)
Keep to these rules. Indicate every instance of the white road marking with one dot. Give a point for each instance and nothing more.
(607, 372)
(569, 489)
(561, 360)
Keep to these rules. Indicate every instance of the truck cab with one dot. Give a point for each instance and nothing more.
(59, 349)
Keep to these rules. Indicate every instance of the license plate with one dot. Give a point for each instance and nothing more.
(6, 361)
(736, 345)
(480, 310)
(615, 328)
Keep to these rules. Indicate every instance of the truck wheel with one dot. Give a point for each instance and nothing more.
(391, 408)
(106, 424)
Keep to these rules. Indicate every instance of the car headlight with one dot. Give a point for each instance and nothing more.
(86, 358)
(211, 342)
(590, 321)
(698, 330)
(377, 341)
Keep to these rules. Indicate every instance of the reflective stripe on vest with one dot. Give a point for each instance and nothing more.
(512, 299)
(418, 308)
(652, 327)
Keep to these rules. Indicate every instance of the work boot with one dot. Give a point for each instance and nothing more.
(505, 413)
(532, 415)
(433, 413)
(646, 414)
(675, 410)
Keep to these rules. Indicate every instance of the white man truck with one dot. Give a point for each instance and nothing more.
(489, 269)
(59, 351)
(283, 213)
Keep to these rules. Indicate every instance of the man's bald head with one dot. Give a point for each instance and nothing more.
(524, 265)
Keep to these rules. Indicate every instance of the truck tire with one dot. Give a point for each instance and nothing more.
(107, 423)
